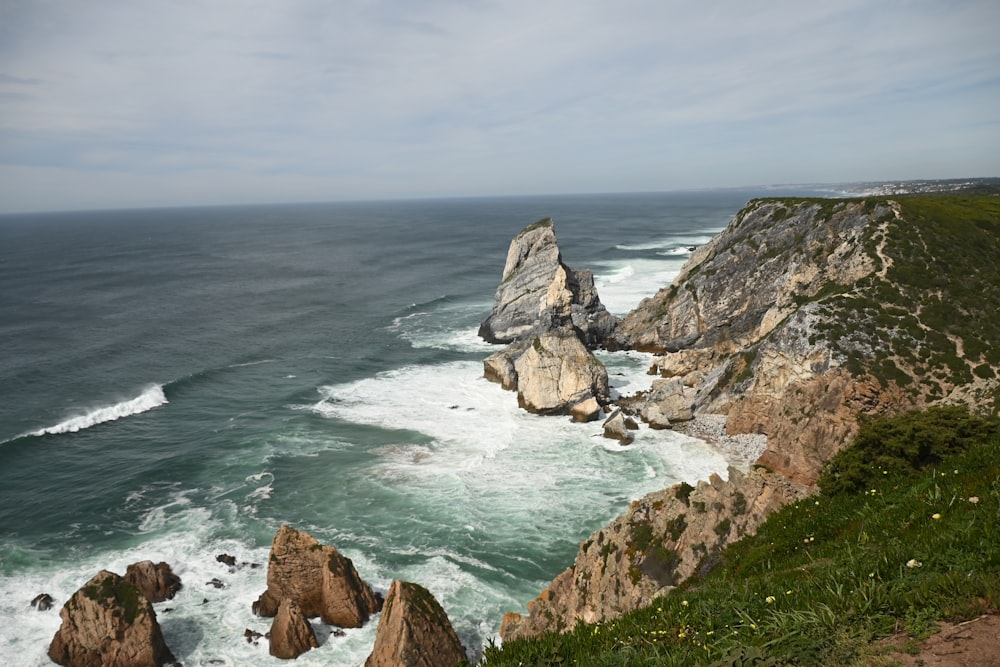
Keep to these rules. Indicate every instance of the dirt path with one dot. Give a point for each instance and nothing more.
(975, 643)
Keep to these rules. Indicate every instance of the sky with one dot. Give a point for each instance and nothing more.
(134, 103)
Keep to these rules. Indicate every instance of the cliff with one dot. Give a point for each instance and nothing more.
(801, 318)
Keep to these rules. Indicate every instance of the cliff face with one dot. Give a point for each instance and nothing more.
(801, 317)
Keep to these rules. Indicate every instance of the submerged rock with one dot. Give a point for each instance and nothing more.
(539, 293)
(109, 623)
(42, 602)
(318, 579)
(156, 581)
(414, 631)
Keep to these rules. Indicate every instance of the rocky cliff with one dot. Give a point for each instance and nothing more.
(800, 318)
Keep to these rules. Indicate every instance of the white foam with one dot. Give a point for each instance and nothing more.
(202, 624)
(622, 284)
(151, 397)
(483, 444)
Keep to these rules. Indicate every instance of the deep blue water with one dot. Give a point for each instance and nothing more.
(176, 383)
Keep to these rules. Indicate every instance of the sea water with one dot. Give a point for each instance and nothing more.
(175, 384)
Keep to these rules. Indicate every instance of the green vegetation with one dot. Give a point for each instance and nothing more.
(930, 322)
(917, 542)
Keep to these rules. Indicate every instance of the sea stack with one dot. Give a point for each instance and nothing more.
(550, 317)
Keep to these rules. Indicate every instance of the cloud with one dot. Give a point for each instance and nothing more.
(370, 98)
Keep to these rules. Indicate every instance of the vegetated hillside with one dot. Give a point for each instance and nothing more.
(904, 533)
(800, 320)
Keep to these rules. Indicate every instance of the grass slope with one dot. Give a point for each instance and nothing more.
(905, 532)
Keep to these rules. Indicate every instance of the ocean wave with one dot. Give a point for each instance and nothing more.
(151, 397)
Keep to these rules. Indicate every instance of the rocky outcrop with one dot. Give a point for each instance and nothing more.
(414, 631)
(109, 623)
(659, 542)
(550, 315)
(318, 579)
(42, 602)
(291, 634)
(156, 581)
(666, 403)
(539, 293)
(740, 328)
(553, 373)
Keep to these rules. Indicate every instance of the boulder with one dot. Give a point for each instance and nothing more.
(414, 631)
(667, 402)
(156, 581)
(320, 580)
(616, 428)
(291, 634)
(553, 373)
(539, 293)
(42, 602)
(109, 623)
(226, 559)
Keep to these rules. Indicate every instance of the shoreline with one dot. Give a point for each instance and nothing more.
(741, 450)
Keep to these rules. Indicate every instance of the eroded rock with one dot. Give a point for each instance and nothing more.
(539, 293)
(414, 631)
(109, 623)
(291, 634)
(320, 580)
(156, 581)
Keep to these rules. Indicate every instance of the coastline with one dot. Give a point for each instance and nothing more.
(741, 450)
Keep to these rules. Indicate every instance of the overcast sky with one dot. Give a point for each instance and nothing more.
(112, 103)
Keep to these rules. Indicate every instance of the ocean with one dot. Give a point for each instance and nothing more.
(177, 383)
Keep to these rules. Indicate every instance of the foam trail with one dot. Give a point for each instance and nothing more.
(151, 397)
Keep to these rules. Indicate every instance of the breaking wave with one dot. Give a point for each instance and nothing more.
(151, 397)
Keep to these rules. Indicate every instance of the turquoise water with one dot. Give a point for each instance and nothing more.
(177, 383)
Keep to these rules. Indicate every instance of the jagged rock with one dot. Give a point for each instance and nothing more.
(42, 602)
(291, 634)
(615, 428)
(156, 581)
(538, 293)
(552, 373)
(659, 542)
(226, 559)
(109, 623)
(414, 631)
(318, 579)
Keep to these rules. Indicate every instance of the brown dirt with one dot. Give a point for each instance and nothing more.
(975, 643)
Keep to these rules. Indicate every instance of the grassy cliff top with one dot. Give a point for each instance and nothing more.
(917, 543)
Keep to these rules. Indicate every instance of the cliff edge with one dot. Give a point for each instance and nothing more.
(801, 318)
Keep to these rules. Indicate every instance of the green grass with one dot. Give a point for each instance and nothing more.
(917, 543)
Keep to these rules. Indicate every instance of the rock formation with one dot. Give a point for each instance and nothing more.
(659, 542)
(156, 581)
(318, 579)
(539, 293)
(42, 602)
(291, 634)
(740, 328)
(550, 315)
(414, 631)
(553, 373)
(617, 427)
(801, 317)
(109, 623)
